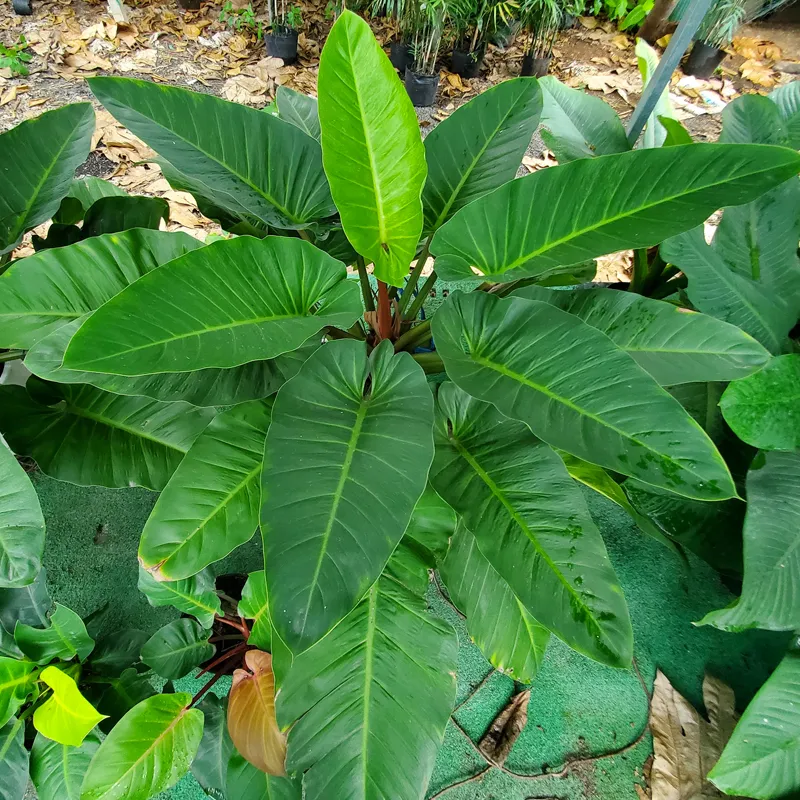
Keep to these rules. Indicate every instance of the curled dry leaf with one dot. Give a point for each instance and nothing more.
(251, 714)
(497, 742)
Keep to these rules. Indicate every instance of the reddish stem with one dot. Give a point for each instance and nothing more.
(205, 688)
(240, 626)
(240, 648)
(384, 312)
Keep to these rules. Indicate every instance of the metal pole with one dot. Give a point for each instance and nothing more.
(669, 62)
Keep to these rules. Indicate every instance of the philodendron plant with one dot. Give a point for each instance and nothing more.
(255, 382)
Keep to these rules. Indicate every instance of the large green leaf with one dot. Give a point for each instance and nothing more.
(479, 147)
(246, 782)
(369, 703)
(345, 465)
(88, 190)
(115, 697)
(672, 344)
(510, 638)
(17, 681)
(531, 523)
(577, 125)
(753, 119)
(57, 770)
(64, 638)
(226, 304)
(299, 109)
(93, 438)
(21, 524)
(255, 607)
(39, 159)
(42, 292)
(432, 524)
(211, 504)
(115, 214)
(176, 649)
(255, 163)
(117, 651)
(210, 767)
(371, 148)
(764, 409)
(594, 206)
(716, 289)
(14, 758)
(29, 604)
(770, 598)
(195, 595)
(576, 390)
(787, 98)
(148, 751)
(762, 757)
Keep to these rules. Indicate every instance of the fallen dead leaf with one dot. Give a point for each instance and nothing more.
(503, 733)
(590, 23)
(758, 73)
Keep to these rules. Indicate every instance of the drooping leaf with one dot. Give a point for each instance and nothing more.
(115, 652)
(345, 465)
(262, 166)
(251, 714)
(17, 681)
(210, 766)
(255, 606)
(787, 98)
(14, 758)
(531, 523)
(762, 758)
(115, 697)
(94, 438)
(634, 199)
(115, 214)
(39, 158)
(245, 782)
(770, 597)
(478, 147)
(57, 770)
(176, 649)
(40, 293)
(64, 638)
(211, 504)
(21, 524)
(577, 125)
(510, 638)
(226, 304)
(764, 409)
(66, 716)
(432, 524)
(371, 148)
(193, 595)
(299, 109)
(368, 704)
(672, 344)
(148, 750)
(570, 394)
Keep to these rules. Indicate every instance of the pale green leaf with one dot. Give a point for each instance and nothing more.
(299, 109)
(65, 638)
(195, 595)
(255, 607)
(17, 681)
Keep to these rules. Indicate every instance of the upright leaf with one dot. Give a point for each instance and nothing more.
(246, 782)
(371, 148)
(211, 504)
(210, 767)
(39, 158)
(262, 166)
(65, 638)
(195, 595)
(510, 638)
(17, 682)
(231, 302)
(57, 770)
(655, 133)
(176, 649)
(787, 98)
(149, 750)
(299, 109)
(66, 716)
(594, 206)
(584, 396)
(255, 607)
(21, 524)
(14, 758)
(478, 147)
(345, 465)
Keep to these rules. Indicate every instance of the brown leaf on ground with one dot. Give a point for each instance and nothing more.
(497, 742)
(758, 73)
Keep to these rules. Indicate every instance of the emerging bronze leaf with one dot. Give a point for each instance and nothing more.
(251, 714)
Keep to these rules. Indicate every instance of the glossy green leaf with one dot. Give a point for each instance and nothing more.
(17, 681)
(94, 438)
(40, 293)
(261, 166)
(478, 147)
(582, 395)
(115, 697)
(787, 98)
(148, 751)
(64, 638)
(753, 119)
(66, 716)
(577, 125)
(39, 158)
(510, 638)
(255, 607)
(117, 651)
(211, 504)
(57, 235)
(226, 304)
(176, 649)
(88, 190)
(676, 133)
(594, 206)
(210, 767)
(771, 589)
(115, 214)
(299, 109)
(29, 604)
(21, 524)
(371, 148)
(195, 595)
(762, 757)
(57, 770)
(369, 703)
(345, 465)
(716, 289)
(531, 523)
(764, 409)
(245, 782)
(432, 524)
(14, 758)
(672, 344)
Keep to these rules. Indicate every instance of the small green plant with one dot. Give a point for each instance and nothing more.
(283, 18)
(542, 20)
(472, 23)
(243, 19)
(14, 57)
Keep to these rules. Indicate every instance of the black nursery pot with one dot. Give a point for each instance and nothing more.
(567, 22)
(282, 45)
(466, 64)
(703, 60)
(400, 56)
(537, 67)
(421, 88)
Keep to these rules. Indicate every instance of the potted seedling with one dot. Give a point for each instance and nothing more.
(243, 19)
(542, 20)
(400, 47)
(284, 23)
(473, 22)
(572, 9)
(426, 21)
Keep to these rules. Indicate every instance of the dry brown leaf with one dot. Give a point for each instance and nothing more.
(147, 57)
(8, 96)
(758, 73)
(497, 742)
(621, 41)
(590, 23)
(246, 90)
(615, 267)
